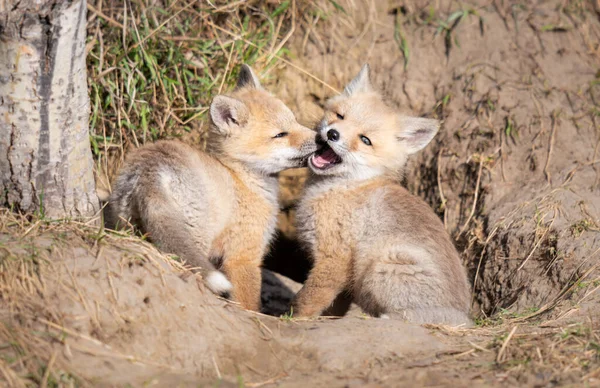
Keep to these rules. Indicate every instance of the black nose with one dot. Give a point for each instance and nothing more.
(333, 135)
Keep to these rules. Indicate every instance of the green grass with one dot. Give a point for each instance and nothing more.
(554, 28)
(401, 40)
(446, 27)
(582, 226)
(153, 71)
(155, 79)
(289, 316)
(586, 284)
(510, 129)
(503, 316)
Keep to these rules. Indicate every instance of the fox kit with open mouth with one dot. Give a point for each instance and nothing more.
(373, 242)
(217, 209)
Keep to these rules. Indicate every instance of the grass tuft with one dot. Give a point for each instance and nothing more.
(447, 27)
(154, 68)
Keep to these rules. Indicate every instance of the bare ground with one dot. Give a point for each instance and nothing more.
(89, 308)
(109, 309)
(513, 173)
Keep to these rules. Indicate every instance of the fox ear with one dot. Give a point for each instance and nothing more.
(416, 132)
(227, 114)
(361, 83)
(247, 78)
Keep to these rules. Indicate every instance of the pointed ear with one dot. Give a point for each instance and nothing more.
(361, 83)
(247, 78)
(228, 114)
(416, 132)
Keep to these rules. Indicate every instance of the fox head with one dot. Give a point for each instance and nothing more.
(255, 128)
(361, 137)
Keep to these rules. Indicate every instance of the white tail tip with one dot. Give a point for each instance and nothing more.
(218, 283)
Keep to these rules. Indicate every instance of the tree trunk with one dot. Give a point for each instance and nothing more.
(45, 157)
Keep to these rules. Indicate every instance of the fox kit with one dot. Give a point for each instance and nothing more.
(371, 240)
(217, 209)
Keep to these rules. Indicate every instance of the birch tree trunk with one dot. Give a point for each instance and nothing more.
(45, 157)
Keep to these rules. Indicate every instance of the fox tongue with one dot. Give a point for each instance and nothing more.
(324, 159)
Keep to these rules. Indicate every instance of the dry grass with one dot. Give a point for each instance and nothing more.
(27, 353)
(33, 335)
(154, 66)
(517, 354)
(563, 353)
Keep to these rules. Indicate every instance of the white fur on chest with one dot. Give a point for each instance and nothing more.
(315, 192)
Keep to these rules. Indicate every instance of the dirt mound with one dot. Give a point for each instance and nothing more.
(80, 305)
(514, 170)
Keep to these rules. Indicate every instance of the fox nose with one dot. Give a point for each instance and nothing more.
(333, 135)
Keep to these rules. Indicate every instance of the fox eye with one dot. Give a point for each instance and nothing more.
(282, 134)
(365, 140)
(340, 116)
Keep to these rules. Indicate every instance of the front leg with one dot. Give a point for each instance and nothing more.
(328, 278)
(242, 255)
(243, 271)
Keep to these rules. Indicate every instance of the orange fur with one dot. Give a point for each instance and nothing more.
(368, 236)
(217, 210)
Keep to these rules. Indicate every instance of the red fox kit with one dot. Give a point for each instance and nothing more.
(217, 209)
(369, 237)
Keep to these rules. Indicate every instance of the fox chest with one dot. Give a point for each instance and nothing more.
(305, 223)
(259, 217)
(325, 219)
(267, 225)
(251, 224)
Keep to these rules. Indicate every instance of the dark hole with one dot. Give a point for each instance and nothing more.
(288, 258)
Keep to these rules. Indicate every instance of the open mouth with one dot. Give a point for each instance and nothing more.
(325, 158)
(301, 161)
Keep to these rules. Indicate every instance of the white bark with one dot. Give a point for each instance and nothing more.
(45, 157)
